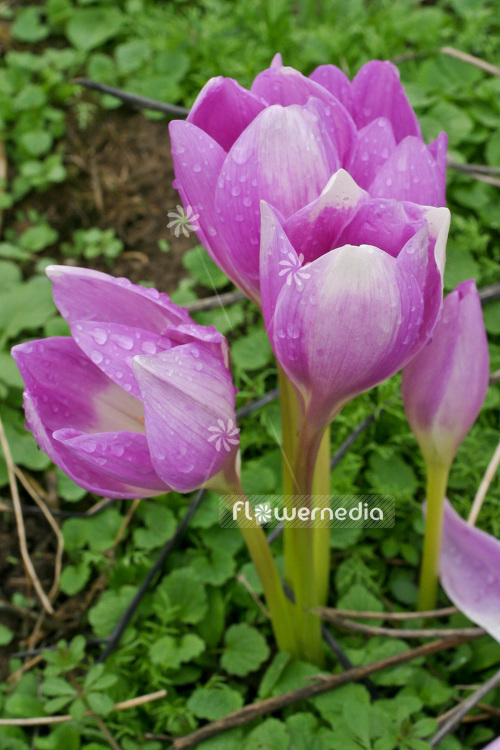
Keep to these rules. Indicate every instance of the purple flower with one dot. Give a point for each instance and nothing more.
(348, 318)
(470, 571)
(445, 385)
(284, 139)
(128, 405)
(495, 745)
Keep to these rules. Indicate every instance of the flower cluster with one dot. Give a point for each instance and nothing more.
(320, 199)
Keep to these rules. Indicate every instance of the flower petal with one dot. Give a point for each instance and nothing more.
(282, 158)
(223, 109)
(187, 392)
(112, 347)
(337, 124)
(374, 144)
(445, 385)
(198, 160)
(72, 391)
(123, 456)
(470, 571)
(336, 82)
(284, 85)
(378, 92)
(383, 223)
(81, 471)
(410, 174)
(316, 228)
(346, 328)
(83, 294)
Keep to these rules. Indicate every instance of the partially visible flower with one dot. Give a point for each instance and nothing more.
(356, 314)
(445, 385)
(470, 571)
(282, 141)
(495, 745)
(125, 406)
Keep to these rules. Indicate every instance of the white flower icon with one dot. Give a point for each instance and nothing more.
(263, 513)
(294, 270)
(225, 435)
(183, 221)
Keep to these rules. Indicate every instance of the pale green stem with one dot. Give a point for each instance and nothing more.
(321, 533)
(301, 541)
(437, 480)
(279, 607)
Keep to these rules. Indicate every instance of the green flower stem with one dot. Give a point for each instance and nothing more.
(321, 534)
(279, 607)
(301, 543)
(437, 480)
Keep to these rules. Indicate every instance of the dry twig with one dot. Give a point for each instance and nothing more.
(484, 486)
(20, 523)
(45, 720)
(322, 685)
(402, 633)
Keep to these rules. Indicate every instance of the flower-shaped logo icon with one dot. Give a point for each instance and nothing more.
(226, 435)
(183, 221)
(263, 513)
(294, 270)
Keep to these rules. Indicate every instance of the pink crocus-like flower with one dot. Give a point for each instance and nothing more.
(445, 385)
(470, 571)
(353, 315)
(284, 139)
(126, 405)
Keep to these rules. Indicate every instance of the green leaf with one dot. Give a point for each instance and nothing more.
(491, 313)
(214, 568)
(160, 526)
(273, 673)
(202, 268)
(38, 238)
(246, 649)
(214, 702)
(89, 28)
(66, 488)
(9, 374)
(22, 706)
(6, 635)
(57, 686)
(27, 27)
(270, 735)
(460, 266)
(359, 598)
(36, 142)
(169, 652)
(74, 578)
(105, 614)
(252, 352)
(187, 594)
(26, 307)
(132, 55)
(101, 703)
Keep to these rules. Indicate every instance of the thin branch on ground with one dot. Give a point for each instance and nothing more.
(488, 293)
(36, 496)
(484, 486)
(30, 570)
(477, 168)
(403, 633)
(323, 684)
(141, 102)
(463, 709)
(471, 59)
(355, 614)
(45, 720)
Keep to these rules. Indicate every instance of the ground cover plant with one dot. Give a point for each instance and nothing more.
(87, 183)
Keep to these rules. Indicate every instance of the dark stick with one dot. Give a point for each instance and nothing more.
(323, 685)
(463, 709)
(489, 292)
(141, 102)
(124, 620)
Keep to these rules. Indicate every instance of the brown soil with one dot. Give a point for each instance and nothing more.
(120, 175)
